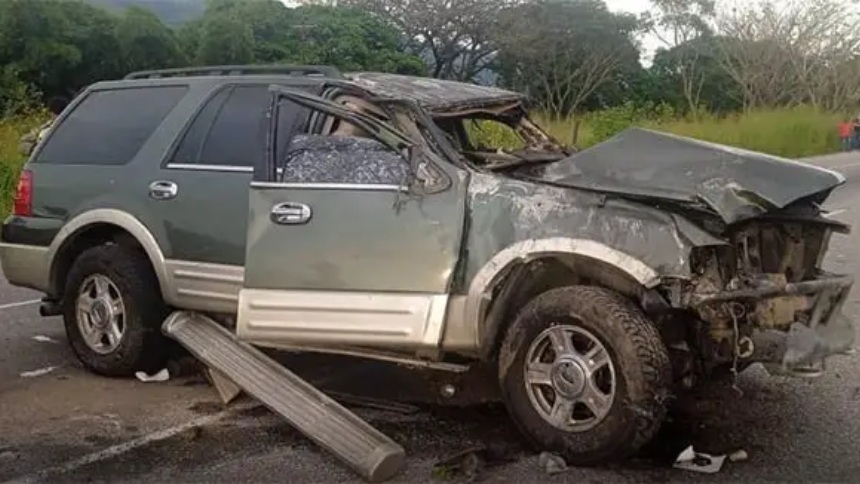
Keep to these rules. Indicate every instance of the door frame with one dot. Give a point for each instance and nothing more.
(391, 320)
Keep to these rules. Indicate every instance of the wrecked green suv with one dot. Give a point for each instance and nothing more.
(369, 214)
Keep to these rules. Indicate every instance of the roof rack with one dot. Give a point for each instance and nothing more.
(238, 70)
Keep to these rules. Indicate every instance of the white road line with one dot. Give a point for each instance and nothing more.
(119, 449)
(19, 304)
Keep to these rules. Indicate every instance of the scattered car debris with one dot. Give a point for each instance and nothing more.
(44, 339)
(690, 460)
(467, 463)
(738, 456)
(227, 389)
(39, 372)
(161, 376)
(552, 463)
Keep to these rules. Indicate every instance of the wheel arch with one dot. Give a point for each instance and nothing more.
(524, 270)
(97, 227)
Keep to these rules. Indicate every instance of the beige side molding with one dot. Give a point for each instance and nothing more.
(130, 224)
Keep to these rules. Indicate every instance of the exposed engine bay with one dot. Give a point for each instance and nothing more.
(764, 298)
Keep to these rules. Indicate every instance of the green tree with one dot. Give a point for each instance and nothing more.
(265, 32)
(146, 43)
(57, 46)
(561, 52)
(225, 38)
(682, 26)
(16, 96)
(700, 84)
(350, 39)
(456, 37)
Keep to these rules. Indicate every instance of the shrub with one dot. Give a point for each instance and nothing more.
(11, 161)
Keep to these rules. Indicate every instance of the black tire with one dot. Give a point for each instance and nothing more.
(142, 347)
(643, 373)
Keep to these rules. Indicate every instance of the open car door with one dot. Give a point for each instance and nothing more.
(345, 245)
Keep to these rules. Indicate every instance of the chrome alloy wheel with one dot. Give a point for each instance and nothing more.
(100, 314)
(570, 378)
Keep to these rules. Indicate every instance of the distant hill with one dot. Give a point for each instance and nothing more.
(171, 12)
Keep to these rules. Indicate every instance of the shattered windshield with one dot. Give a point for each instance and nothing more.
(500, 139)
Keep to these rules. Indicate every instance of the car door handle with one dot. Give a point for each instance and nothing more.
(163, 190)
(291, 213)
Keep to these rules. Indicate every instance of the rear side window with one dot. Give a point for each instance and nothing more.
(109, 127)
(231, 128)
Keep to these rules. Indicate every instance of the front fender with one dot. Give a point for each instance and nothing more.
(512, 220)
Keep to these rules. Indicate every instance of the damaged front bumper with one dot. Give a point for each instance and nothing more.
(816, 330)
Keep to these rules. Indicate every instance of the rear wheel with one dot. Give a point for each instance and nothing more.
(585, 374)
(112, 309)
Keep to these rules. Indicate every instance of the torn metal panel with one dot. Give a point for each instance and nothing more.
(802, 349)
(620, 243)
(507, 214)
(736, 184)
(431, 94)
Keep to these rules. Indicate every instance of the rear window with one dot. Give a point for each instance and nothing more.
(109, 127)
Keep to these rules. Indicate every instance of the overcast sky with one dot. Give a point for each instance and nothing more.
(649, 42)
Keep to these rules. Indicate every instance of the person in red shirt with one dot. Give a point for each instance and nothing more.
(846, 134)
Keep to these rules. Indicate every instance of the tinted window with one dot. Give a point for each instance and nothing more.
(109, 127)
(191, 147)
(231, 130)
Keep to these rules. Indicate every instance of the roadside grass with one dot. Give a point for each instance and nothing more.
(11, 161)
(789, 132)
(792, 133)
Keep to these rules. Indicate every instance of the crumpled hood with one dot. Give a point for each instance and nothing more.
(737, 184)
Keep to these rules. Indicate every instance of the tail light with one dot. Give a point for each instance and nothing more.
(22, 204)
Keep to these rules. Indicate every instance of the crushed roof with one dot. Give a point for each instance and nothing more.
(431, 94)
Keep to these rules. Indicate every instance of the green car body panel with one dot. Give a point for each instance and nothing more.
(393, 266)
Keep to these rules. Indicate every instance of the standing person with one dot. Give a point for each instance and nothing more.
(846, 134)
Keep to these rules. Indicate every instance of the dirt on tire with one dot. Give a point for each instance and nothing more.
(142, 346)
(643, 373)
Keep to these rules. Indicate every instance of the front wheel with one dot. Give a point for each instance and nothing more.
(585, 374)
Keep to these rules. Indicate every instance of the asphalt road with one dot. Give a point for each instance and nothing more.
(59, 423)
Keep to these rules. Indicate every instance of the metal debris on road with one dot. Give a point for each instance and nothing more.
(467, 463)
(161, 376)
(39, 372)
(227, 389)
(552, 463)
(369, 452)
(738, 456)
(690, 460)
(44, 339)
